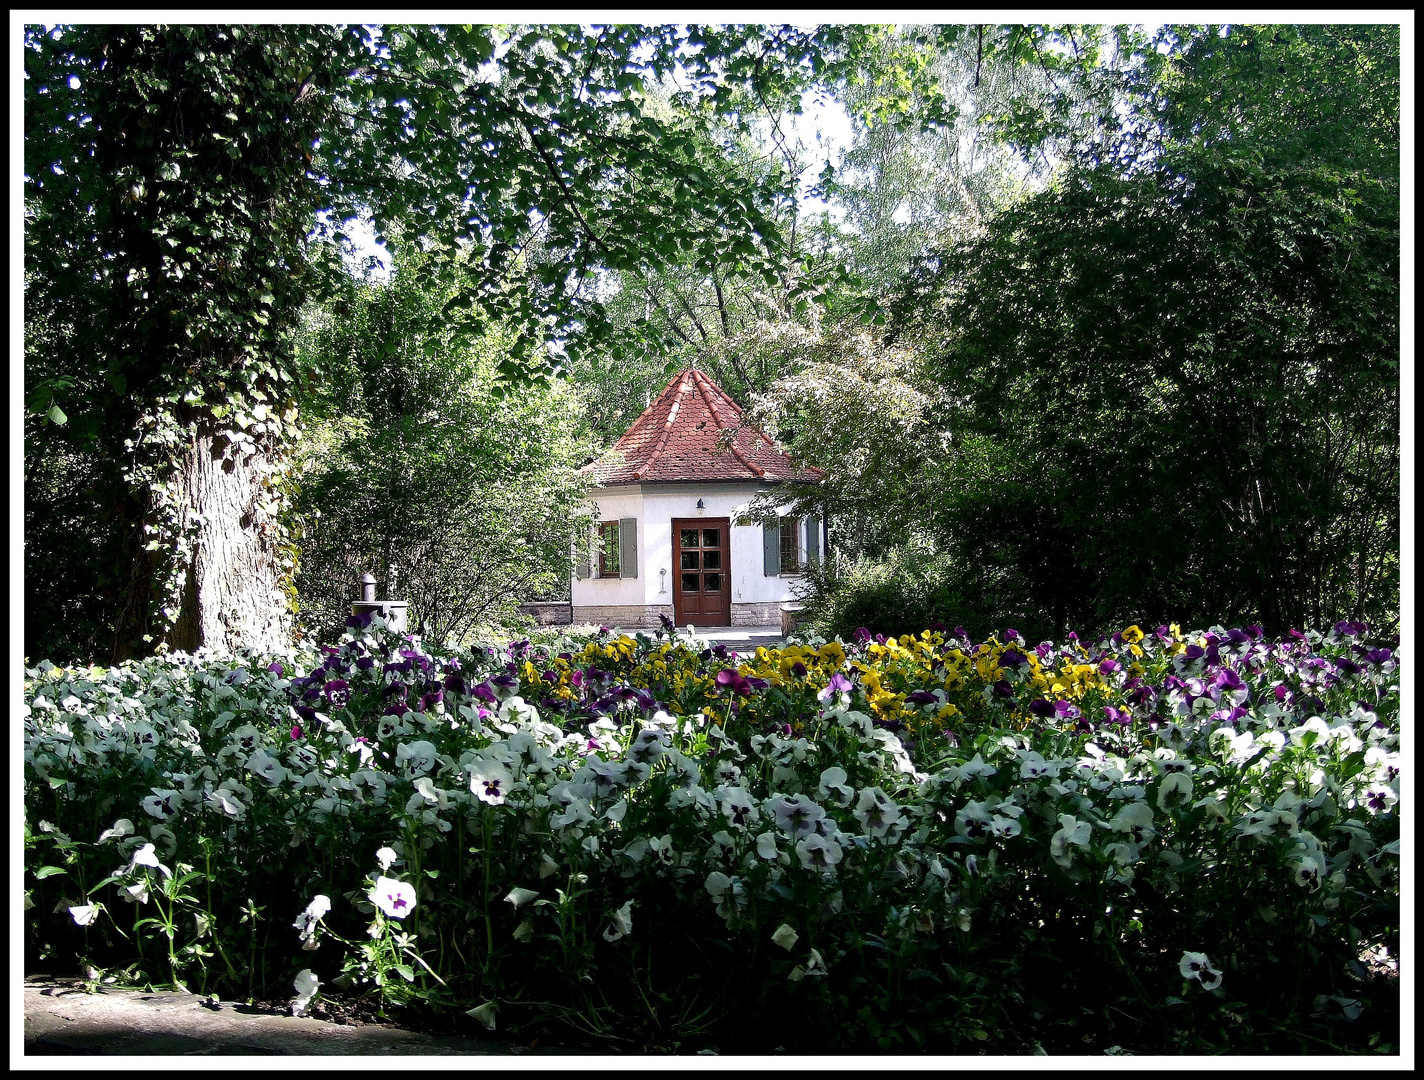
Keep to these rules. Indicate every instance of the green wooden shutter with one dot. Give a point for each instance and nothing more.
(771, 549)
(628, 547)
(813, 540)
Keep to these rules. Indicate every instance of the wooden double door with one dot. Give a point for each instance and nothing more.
(702, 580)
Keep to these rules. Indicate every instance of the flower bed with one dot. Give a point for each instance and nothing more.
(1160, 841)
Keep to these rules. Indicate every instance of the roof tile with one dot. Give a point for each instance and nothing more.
(675, 439)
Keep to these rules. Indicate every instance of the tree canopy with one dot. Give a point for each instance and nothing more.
(1102, 318)
(1168, 381)
(180, 182)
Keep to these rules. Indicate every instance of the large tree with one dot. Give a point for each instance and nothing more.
(177, 179)
(1191, 342)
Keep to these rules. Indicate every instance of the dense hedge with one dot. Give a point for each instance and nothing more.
(1157, 842)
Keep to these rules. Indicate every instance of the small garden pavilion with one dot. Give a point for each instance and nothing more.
(668, 502)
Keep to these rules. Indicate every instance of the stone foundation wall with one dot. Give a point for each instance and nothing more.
(756, 614)
(621, 614)
(554, 613)
(748, 614)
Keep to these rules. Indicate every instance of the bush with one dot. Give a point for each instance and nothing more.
(913, 586)
(1161, 841)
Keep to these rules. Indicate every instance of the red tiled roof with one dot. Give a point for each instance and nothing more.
(676, 440)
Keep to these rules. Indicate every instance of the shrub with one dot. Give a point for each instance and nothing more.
(910, 587)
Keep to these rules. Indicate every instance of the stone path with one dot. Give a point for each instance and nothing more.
(744, 639)
(61, 1019)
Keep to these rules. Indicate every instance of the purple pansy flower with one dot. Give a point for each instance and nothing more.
(338, 692)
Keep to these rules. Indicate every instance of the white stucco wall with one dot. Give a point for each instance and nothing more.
(655, 506)
(613, 504)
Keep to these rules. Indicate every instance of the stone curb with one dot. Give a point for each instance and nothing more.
(61, 1019)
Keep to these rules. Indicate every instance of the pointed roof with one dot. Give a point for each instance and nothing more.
(676, 440)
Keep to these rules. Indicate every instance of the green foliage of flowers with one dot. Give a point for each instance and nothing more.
(1162, 840)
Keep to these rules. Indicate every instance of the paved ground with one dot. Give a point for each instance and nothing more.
(744, 639)
(61, 1019)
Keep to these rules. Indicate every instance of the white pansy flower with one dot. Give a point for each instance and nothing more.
(306, 984)
(1175, 791)
(146, 856)
(1032, 766)
(1195, 965)
(575, 815)
(386, 858)
(1135, 819)
(661, 850)
(307, 921)
(416, 758)
(1070, 831)
(973, 820)
(490, 781)
(691, 795)
(833, 787)
(162, 804)
(766, 845)
(877, 814)
(1306, 872)
(620, 923)
(818, 853)
(260, 763)
(1005, 828)
(738, 807)
(815, 965)
(648, 746)
(427, 791)
(395, 898)
(727, 772)
(796, 815)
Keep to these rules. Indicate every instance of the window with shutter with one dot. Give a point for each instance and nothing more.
(792, 554)
(608, 550)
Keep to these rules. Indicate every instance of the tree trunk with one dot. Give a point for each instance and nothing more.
(233, 593)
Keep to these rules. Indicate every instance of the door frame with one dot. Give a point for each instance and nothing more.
(701, 522)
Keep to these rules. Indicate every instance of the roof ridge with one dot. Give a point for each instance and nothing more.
(667, 425)
(731, 445)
